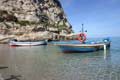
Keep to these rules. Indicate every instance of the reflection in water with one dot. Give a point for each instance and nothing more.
(49, 63)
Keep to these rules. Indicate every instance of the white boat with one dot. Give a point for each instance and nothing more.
(27, 43)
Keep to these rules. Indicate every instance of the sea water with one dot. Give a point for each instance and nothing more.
(48, 62)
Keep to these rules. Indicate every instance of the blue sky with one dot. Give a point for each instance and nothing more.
(101, 18)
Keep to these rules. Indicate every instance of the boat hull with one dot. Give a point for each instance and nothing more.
(30, 43)
(82, 47)
(76, 49)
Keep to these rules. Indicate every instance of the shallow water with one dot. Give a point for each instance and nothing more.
(49, 63)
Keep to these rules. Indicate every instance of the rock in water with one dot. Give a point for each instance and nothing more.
(19, 17)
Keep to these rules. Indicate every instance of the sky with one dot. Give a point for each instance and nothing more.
(101, 18)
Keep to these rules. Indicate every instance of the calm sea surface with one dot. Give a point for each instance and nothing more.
(49, 63)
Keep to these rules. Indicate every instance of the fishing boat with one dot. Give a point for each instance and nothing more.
(86, 47)
(81, 45)
(27, 43)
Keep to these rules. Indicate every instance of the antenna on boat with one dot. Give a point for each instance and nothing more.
(82, 28)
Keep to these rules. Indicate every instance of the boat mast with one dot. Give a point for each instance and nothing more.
(82, 28)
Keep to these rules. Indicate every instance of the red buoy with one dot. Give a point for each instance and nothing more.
(82, 37)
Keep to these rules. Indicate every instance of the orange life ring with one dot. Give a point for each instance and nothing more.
(82, 37)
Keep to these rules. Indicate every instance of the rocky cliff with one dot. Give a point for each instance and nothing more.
(23, 17)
